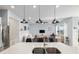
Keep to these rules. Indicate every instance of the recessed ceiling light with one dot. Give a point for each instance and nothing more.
(34, 6)
(12, 7)
(57, 6)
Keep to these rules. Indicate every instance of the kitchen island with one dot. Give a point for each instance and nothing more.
(26, 48)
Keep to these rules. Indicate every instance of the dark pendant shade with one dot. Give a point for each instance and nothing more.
(39, 21)
(21, 22)
(24, 21)
(55, 21)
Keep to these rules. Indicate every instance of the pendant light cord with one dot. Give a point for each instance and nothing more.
(54, 12)
(39, 11)
(24, 11)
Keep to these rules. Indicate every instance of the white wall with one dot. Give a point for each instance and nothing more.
(49, 29)
(72, 30)
(75, 31)
(33, 29)
(68, 21)
(13, 20)
(13, 31)
(23, 33)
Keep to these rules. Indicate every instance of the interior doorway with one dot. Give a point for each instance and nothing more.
(61, 31)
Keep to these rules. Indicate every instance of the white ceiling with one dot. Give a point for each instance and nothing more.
(46, 11)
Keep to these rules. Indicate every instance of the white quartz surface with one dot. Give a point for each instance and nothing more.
(26, 48)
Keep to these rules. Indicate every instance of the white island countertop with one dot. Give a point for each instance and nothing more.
(26, 48)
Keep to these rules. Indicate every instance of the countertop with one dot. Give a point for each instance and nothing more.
(26, 48)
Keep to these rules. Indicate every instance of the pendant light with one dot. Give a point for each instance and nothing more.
(24, 19)
(39, 21)
(55, 21)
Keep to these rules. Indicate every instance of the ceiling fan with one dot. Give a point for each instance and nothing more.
(39, 21)
(24, 20)
(55, 21)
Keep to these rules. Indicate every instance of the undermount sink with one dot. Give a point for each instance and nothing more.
(51, 50)
(48, 50)
(38, 51)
